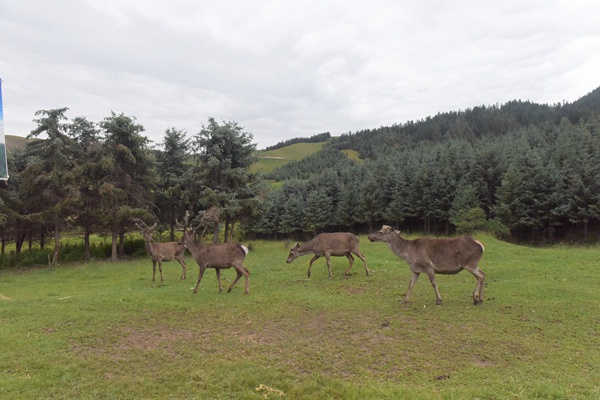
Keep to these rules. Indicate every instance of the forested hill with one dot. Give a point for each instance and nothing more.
(525, 170)
(321, 137)
(469, 124)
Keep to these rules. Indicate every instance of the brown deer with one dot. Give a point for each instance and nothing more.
(218, 256)
(160, 252)
(436, 256)
(329, 244)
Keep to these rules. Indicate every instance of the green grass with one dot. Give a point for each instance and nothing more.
(270, 159)
(104, 330)
(353, 155)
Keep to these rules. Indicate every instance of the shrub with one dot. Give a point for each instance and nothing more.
(472, 220)
(69, 253)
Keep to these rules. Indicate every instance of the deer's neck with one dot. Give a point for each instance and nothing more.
(191, 245)
(149, 247)
(398, 244)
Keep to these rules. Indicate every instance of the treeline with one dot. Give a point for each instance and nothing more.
(321, 137)
(470, 125)
(98, 178)
(522, 170)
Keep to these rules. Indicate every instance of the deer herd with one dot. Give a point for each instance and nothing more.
(426, 255)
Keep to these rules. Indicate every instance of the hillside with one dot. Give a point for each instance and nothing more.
(526, 171)
(269, 160)
(15, 142)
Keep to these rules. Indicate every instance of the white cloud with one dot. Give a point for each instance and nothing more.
(285, 69)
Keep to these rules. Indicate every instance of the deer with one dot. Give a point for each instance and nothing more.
(160, 252)
(436, 256)
(218, 256)
(329, 244)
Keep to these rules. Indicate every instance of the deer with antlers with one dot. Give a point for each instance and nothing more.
(160, 252)
(218, 256)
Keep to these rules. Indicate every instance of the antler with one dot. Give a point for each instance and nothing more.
(210, 216)
(186, 219)
(144, 227)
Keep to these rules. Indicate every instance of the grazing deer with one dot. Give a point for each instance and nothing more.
(160, 252)
(327, 245)
(436, 256)
(218, 256)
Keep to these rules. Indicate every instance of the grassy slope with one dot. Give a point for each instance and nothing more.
(271, 159)
(15, 142)
(105, 331)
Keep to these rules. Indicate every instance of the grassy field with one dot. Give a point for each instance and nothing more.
(270, 159)
(104, 330)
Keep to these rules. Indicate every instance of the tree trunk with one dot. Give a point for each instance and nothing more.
(56, 241)
(121, 249)
(226, 234)
(86, 245)
(121, 243)
(114, 256)
(216, 233)
(20, 240)
(172, 237)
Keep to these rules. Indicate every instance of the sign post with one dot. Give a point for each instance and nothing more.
(3, 163)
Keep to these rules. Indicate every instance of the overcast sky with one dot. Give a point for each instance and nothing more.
(286, 69)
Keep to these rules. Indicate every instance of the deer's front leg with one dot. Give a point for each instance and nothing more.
(413, 280)
(200, 274)
(328, 258)
(160, 269)
(218, 272)
(312, 260)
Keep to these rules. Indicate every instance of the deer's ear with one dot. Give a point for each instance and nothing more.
(296, 246)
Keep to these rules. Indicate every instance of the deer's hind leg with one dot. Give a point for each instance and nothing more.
(480, 276)
(351, 259)
(241, 271)
(364, 260)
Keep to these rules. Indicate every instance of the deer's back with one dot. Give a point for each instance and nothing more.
(338, 243)
(448, 254)
(221, 253)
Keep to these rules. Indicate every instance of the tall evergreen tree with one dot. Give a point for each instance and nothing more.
(224, 153)
(129, 176)
(171, 198)
(51, 178)
(88, 213)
